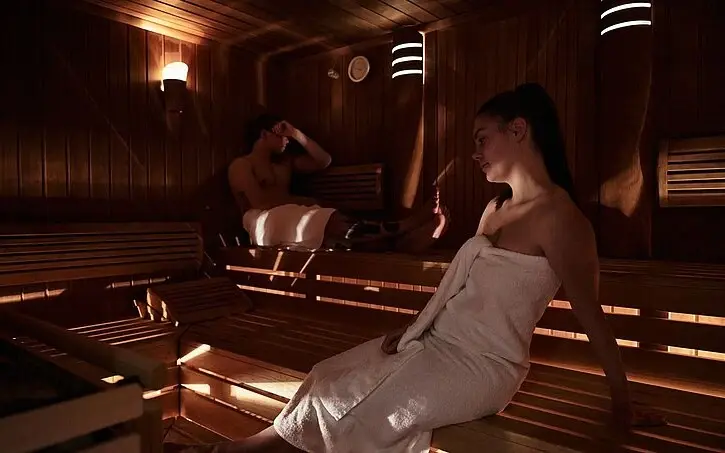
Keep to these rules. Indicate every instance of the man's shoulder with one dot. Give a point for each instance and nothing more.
(240, 163)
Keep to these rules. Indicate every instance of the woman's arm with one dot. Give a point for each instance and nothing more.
(568, 241)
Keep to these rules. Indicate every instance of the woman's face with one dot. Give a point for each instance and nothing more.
(496, 148)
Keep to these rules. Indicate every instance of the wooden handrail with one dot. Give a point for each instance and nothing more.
(151, 373)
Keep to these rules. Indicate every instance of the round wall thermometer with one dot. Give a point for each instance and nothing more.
(358, 68)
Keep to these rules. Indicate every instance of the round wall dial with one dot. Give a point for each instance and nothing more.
(358, 68)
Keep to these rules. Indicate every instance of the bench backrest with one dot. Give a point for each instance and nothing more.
(349, 188)
(691, 172)
(669, 317)
(51, 253)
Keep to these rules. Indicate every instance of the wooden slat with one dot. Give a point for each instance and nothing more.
(677, 287)
(384, 268)
(648, 330)
(229, 423)
(688, 145)
(670, 370)
(389, 297)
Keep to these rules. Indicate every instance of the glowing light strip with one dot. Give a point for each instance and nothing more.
(407, 71)
(407, 45)
(404, 59)
(625, 6)
(631, 23)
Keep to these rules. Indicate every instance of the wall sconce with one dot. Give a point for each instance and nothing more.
(616, 14)
(408, 53)
(173, 86)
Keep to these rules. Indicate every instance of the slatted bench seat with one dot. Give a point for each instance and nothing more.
(309, 307)
(85, 278)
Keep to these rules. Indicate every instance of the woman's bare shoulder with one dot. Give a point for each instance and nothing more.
(561, 217)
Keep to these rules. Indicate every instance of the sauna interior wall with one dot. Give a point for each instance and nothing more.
(467, 63)
(689, 71)
(84, 135)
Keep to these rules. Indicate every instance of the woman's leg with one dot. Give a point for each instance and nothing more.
(266, 441)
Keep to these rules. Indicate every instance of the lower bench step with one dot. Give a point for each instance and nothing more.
(181, 430)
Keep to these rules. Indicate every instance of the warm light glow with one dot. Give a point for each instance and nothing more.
(407, 71)
(174, 71)
(195, 353)
(198, 388)
(112, 379)
(631, 23)
(407, 45)
(624, 7)
(404, 59)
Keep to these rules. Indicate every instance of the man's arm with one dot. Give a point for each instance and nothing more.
(316, 158)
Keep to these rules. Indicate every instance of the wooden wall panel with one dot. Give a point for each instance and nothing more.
(689, 74)
(84, 131)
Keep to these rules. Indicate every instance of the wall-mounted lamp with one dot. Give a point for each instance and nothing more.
(173, 86)
(618, 14)
(408, 53)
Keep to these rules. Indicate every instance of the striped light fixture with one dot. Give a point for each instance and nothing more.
(619, 14)
(408, 53)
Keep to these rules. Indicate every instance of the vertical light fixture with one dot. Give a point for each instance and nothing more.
(618, 14)
(173, 85)
(407, 54)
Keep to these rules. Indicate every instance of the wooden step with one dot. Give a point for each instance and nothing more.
(184, 431)
(221, 418)
(196, 300)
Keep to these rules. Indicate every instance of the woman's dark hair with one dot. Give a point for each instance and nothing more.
(264, 122)
(531, 102)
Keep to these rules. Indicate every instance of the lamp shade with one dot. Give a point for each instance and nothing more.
(621, 14)
(174, 71)
(407, 53)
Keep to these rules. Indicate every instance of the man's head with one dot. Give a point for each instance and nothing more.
(261, 132)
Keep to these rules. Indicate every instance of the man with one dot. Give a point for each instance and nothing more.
(260, 183)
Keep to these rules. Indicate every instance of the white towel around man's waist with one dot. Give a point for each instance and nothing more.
(288, 224)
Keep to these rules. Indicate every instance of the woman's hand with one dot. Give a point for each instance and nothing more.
(390, 343)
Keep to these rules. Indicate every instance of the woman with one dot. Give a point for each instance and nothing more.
(466, 354)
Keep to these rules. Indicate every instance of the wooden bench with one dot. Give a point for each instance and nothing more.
(85, 278)
(47, 407)
(691, 172)
(351, 188)
(311, 306)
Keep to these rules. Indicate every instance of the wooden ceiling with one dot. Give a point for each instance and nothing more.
(273, 27)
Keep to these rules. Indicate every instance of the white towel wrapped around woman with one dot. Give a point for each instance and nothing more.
(464, 358)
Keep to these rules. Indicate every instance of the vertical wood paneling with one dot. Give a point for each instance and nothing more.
(138, 108)
(56, 124)
(203, 113)
(31, 140)
(9, 165)
(689, 70)
(190, 129)
(97, 81)
(157, 119)
(94, 138)
(119, 96)
(79, 112)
